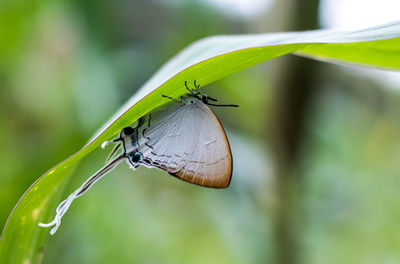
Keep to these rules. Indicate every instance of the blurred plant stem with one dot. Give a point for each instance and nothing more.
(296, 82)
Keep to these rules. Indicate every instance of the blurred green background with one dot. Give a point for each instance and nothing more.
(67, 66)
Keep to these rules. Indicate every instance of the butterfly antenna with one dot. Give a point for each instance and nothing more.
(212, 99)
(227, 105)
(170, 98)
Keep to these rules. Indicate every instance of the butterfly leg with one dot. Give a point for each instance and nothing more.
(190, 90)
(196, 85)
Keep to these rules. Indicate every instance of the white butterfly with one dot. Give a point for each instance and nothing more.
(186, 139)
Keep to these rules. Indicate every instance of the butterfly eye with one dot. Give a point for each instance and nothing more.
(135, 157)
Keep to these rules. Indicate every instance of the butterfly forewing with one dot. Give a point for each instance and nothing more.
(189, 142)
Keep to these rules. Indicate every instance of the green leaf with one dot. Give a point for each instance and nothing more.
(205, 61)
(380, 54)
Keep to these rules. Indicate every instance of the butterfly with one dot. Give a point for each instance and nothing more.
(184, 138)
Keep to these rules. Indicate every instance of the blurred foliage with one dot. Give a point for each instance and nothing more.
(66, 66)
(351, 203)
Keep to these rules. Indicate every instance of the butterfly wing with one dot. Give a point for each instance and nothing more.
(190, 143)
